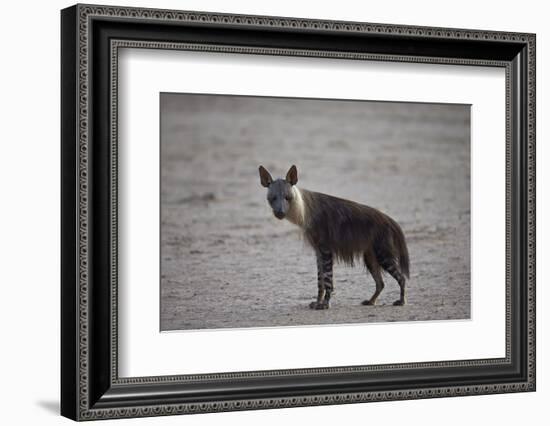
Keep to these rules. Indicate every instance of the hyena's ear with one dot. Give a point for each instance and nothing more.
(265, 177)
(292, 175)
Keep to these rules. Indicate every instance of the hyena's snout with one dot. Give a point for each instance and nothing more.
(280, 205)
(280, 208)
(279, 214)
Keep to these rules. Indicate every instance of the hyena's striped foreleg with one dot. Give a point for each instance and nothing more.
(325, 285)
(374, 268)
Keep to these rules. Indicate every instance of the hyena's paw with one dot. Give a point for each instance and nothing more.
(318, 305)
(367, 303)
(399, 303)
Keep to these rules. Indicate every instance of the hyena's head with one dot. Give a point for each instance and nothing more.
(279, 191)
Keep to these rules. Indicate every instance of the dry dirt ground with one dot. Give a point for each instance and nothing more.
(227, 262)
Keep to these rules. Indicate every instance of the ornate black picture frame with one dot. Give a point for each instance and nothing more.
(90, 385)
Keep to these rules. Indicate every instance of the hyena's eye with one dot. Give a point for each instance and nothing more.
(288, 198)
(270, 199)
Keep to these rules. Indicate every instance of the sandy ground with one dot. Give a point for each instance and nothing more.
(226, 262)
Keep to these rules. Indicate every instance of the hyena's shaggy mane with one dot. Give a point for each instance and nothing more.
(349, 230)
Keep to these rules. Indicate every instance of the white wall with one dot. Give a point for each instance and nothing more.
(29, 225)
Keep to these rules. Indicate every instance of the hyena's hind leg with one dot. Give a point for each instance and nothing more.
(325, 285)
(374, 268)
(391, 266)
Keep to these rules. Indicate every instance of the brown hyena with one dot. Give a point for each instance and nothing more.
(339, 229)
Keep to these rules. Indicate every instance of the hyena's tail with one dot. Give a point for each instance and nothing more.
(401, 248)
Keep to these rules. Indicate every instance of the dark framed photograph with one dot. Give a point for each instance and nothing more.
(263, 212)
